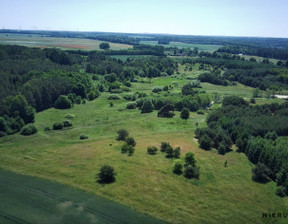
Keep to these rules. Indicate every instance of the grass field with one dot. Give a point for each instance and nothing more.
(32, 200)
(201, 47)
(144, 182)
(29, 40)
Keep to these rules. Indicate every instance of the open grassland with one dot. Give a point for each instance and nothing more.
(144, 182)
(201, 47)
(29, 40)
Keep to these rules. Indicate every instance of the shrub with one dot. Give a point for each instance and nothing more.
(200, 112)
(47, 129)
(113, 97)
(93, 95)
(166, 111)
(164, 146)
(28, 129)
(205, 142)
(176, 152)
(190, 159)
(83, 101)
(69, 116)
(63, 102)
(165, 88)
(131, 105)
(281, 191)
(177, 169)
(124, 148)
(83, 136)
(2, 134)
(261, 173)
(78, 100)
(57, 126)
(106, 174)
(185, 113)
(131, 150)
(111, 104)
(130, 141)
(122, 134)
(157, 89)
(130, 97)
(152, 150)
(3, 125)
(191, 172)
(147, 106)
(67, 123)
(252, 100)
(169, 152)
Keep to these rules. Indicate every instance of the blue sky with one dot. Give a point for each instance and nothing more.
(194, 17)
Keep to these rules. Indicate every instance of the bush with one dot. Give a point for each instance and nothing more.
(78, 100)
(131, 150)
(185, 113)
(157, 89)
(113, 97)
(28, 129)
(2, 134)
(166, 111)
(164, 146)
(69, 116)
(205, 142)
(93, 95)
(130, 97)
(261, 173)
(3, 125)
(152, 150)
(176, 152)
(57, 126)
(281, 191)
(252, 100)
(83, 136)
(131, 105)
(177, 169)
(190, 159)
(122, 134)
(106, 174)
(47, 129)
(124, 148)
(147, 106)
(63, 102)
(191, 172)
(83, 101)
(67, 123)
(200, 112)
(169, 152)
(130, 141)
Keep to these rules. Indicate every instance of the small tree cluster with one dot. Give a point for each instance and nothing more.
(60, 125)
(170, 152)
(29, 129)
(152, 150)
(127, 148)
(130, 143)
(191, 171)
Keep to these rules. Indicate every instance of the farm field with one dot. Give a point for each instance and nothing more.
(32, 200)
(32, 40)
(201, 47)
(144, 182)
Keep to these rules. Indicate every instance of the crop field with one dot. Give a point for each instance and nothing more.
(32, 200)
(201, 47)
(144, 183)
(31, 40)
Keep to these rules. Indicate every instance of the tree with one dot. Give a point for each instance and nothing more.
(191, 172)
(63, 102)
(147, 106)
(92, 95)
(169, 152)
(205, 142)
(164, 146)
(177, 169)
(29, 129)
(3, 125)
(185, 113)
(104, 46)
(130, 141)
(152, 150)
(166, 111)
(106, 174)
(177, 152)
(261, 173)
(122, 134)
(190, 159)
(187, 89)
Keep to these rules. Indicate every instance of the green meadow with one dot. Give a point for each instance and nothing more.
(143, 182)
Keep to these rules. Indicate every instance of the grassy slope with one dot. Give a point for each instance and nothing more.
(144, 182)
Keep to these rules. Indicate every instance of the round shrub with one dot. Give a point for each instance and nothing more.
(131, 106)
(177, 169)
(106, 174)
(63, 102)
(57, 126)
(122, 134)
(130, 97)
(185, 113)
(2, 134)
(200, 112)
(67, 123)
(83, 136)
(152, 150)
(157, 89)
(113, 97)
(191, 172)
(47, 129)
(69, 116)
(281, 191)
(29, 129)
(130, 141)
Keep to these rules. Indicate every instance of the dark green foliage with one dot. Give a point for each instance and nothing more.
(147, 106)
(130, 97)
(83, 136)
(47, 129)
(63, 102)
(157, 89)
(57, 126)
(281, 191)
(185, 113)
(29, 129)
(191, 172)
(177, 169)
(93, 95)
(131, 105)
(200, 112)
(131, 150)
(176, 152)
(271, 135)
(130, 141)
(169, 152)
(152, 150)
(122, 134)
(261, 173)
(166, 111)
(111, 78)
(165, 88)
(104, 46)
(113, 97)
(252, 100)
(222, 149)
(111, 104)
(190, 159)
(233, 100)
(78, 100)
(124, 148)
(3, 125)
(67, 123)
(2, 134)
(213, 78)
(69, 116)
(80, 90)
(83, 101)
(106, 175)
(72, 97)
(205, 142)
(164, 146)
(187, 89)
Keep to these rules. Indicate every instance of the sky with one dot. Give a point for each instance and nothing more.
(259, 18)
